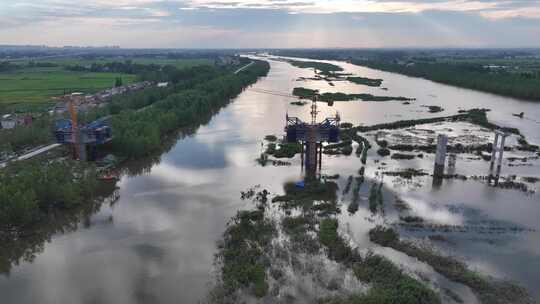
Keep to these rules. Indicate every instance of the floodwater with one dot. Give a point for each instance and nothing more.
(156, 244)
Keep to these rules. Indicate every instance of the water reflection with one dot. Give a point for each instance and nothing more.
(19, 247)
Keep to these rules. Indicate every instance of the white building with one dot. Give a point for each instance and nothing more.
(227, 60)
(8, 121)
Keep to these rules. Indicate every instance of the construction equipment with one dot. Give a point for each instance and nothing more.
(83, 139)
(74, 127)
(310, 135)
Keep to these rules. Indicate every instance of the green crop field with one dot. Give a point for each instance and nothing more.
(37, 85)
(31, 87)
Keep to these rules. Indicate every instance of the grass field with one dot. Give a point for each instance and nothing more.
(31, 88)
(37, 85)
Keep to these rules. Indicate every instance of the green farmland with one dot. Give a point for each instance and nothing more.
(31, 87)
(37, 85)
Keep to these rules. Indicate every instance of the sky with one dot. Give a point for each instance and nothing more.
(271, 23)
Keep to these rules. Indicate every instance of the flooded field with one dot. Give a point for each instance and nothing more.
(157, 243)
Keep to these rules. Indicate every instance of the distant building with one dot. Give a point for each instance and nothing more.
(495, 67)
(84, 102)
(26, 119)
(8, 121)
(227, 60)
(59, 108)
(77, 97)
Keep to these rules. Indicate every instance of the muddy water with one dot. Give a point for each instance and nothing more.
(156, 244)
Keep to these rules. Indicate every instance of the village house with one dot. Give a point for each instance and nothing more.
(10, 121)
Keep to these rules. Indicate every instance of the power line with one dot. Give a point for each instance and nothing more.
(276, 93)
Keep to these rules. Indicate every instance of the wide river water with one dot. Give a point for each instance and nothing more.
(156, 244)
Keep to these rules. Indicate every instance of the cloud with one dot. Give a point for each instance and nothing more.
(272, 23)
(491, 8)
(505, 8)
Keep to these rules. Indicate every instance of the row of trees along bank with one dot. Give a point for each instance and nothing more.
(471, 76)
(138, 133)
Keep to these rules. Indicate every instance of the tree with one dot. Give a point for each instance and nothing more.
(118, 82)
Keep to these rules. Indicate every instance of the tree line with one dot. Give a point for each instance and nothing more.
(153, 72)
(6, 66)
(29, 191)
(471, 76)
(179, 80)
(139, 133)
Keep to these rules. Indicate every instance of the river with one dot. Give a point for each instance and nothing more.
(156, 244)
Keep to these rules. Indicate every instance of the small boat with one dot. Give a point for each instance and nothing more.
(108, 177)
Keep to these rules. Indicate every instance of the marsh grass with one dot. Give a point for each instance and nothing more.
(487, 289)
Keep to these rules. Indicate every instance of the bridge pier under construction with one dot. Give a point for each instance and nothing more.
(311, 155)
(83, 139)
(311, 136)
